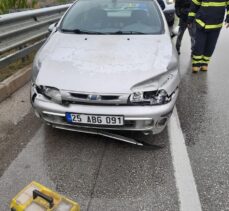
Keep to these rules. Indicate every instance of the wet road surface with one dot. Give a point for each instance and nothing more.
(203, 111)
(102, 174)
(99, 173)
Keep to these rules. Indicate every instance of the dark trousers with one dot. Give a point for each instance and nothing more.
(182, 28)
(205, 42)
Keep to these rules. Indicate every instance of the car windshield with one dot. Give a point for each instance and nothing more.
(113, 17)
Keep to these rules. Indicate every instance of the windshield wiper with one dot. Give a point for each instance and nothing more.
(127, 32)
(79, 31)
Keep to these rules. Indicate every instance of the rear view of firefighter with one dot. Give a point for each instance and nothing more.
(209, 18)
(182, 10)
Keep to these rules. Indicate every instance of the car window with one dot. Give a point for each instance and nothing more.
(113, 17)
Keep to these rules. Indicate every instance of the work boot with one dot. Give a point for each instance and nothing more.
(195, 69)
(204, 68)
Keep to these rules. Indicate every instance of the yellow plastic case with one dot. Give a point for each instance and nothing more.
(36, 197)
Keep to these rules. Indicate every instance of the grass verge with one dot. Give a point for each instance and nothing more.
(14, 67)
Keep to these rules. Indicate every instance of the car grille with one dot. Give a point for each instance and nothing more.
(94, 98)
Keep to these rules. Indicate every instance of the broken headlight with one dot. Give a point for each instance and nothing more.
(158, 97)
(52, 93)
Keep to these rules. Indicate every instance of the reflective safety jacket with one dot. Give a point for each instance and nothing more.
(209, 14)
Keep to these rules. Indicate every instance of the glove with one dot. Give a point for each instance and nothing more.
(190, 20)
(178, 12)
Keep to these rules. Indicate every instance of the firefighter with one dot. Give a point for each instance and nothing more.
(182, 10)
(209, 18)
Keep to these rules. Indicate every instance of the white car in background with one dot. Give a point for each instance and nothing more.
(169, 11)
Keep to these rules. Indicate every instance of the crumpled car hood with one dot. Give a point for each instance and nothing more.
(102, 63)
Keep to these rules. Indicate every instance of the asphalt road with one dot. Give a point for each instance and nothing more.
(102, 174)
(203, 111)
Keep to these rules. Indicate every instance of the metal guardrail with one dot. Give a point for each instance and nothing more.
(22, 33)
(4, 19)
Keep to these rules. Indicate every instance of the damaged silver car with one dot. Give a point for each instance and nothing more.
(107, 65)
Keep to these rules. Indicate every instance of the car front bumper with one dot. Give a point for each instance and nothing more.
(136, 118)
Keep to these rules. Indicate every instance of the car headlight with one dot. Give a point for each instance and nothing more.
(159, 97)
(169, 1)
(52, 94)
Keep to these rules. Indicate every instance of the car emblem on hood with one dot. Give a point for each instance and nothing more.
(94, 97)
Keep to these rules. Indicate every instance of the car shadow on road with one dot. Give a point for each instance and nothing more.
(149, 141)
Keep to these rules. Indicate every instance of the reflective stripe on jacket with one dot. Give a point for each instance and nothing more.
(209, 14)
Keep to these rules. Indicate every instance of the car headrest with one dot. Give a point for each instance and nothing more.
(97, 14)
(140, 15)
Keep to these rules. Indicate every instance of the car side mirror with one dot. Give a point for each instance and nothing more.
(52, 27)
(161, 3)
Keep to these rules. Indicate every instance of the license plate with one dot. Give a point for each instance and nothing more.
(94, 119)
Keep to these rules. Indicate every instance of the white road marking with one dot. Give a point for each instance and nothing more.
(187, 192)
